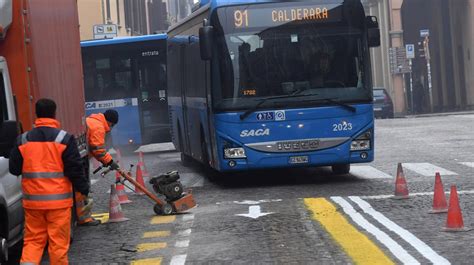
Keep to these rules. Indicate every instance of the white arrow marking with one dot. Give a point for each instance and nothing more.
(254, 212)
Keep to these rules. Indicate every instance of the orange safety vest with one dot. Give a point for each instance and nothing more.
(43, 181)
(97, 128)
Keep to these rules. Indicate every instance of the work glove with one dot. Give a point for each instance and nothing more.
(88, 203)
(113, 165)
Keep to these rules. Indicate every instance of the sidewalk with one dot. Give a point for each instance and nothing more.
(438, 114)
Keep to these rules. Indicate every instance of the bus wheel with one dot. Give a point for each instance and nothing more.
(341, 169)
(186, 160)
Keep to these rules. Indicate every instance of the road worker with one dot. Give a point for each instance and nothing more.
(48, 160)
(98, 126)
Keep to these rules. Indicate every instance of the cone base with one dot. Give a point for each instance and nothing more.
(125, 201)
(435, 211)
(398, 197)
(463, 229)
(118, 220)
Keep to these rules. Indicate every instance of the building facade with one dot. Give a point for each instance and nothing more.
(132, 17)
(442, 72)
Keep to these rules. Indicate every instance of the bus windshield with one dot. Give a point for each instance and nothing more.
(322, 60)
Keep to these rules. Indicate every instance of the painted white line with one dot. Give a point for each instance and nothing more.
(255, 202)
(368, 172)
(398, 251)
(182, 244)
(468, 164)
(427, 169)
(94, 181)
(411, 239)
(178, 260)
(186, 232)
(188, 217)
(384, 196)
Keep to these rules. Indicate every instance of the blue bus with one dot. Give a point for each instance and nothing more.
(273, 84)
(128, 74)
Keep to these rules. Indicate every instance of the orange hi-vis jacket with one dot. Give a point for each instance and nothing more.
(44, 156)
(97, 128)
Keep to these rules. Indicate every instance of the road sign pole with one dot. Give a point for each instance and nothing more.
(411, 89)
(428, 68)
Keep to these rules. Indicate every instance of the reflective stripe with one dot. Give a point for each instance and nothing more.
(27, 263)
(44, 175)
(60, 136)
(52, 197)
(92, 148)
(101, 155)
(23, 138)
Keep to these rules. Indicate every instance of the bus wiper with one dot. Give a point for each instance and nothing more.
(344, 105)
(263, 100)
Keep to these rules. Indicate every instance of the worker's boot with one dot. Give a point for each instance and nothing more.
(92, 222)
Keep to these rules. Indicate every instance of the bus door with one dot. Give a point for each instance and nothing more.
(186, 148)
(153, 100)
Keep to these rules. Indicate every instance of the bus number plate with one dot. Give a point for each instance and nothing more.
(299, 159)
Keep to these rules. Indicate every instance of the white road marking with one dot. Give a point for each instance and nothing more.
(178, 260)
(182, 243)
(427, 169)
(254, 213)
(398, 251)
(94, 181)
(384, 196)
(468, 164)
(255, 202)
(186, 232)
(406, 235)
(368, 172)
(188, 217)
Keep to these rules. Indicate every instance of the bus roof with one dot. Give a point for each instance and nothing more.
(121, 40)
(218, 3)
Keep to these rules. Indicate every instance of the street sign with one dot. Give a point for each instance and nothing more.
(410, 51)
(424, 33)
(399, 64)
(105, 31)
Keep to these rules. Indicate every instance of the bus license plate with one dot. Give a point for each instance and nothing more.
(299, 159)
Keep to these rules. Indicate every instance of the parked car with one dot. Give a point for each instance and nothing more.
(383, 105)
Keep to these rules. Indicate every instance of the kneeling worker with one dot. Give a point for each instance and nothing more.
(98, 126)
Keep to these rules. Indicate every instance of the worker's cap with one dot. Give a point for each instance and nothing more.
(111, 116)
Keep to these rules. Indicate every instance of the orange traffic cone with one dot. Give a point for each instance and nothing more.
(401, 188)
(122, 195)
(454, 222)
(439, 199)
(141, 163)
(115, 210)
(139, 179)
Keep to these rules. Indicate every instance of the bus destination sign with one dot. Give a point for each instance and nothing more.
(266, 16)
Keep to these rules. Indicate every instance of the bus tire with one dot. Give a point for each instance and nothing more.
(186, 160)
(341, 169)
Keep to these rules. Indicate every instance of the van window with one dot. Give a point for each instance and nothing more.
(3, 99)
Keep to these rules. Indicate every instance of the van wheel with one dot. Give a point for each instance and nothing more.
(341, 169)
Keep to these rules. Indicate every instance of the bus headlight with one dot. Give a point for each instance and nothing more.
(359, 145)
(230, 153)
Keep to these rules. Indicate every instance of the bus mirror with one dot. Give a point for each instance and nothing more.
(8, 133)
(373, 31)
(205, 41)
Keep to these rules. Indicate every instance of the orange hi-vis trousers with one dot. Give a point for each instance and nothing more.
(83, 215)
(41, 226)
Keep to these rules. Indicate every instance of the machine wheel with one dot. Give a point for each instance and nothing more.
(167, 209)
(3, 250)
(341, 169)
(157, 209)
